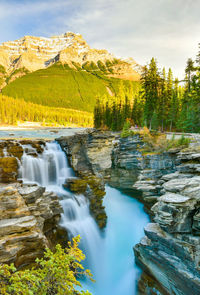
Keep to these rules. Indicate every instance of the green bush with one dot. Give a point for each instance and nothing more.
(125, 131)
(55, 274)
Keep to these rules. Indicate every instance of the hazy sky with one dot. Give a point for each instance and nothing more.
(166, 29)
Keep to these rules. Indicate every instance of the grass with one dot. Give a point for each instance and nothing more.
(65, 87)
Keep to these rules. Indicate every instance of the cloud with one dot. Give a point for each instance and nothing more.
(166, 29)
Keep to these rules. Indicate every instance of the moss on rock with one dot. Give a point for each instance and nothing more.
(8, 169)
(93, 188)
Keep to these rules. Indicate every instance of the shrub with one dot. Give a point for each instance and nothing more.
(55, 274)
(125, 131)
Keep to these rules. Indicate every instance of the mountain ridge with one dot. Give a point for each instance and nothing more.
(34, 53)
(63, 72)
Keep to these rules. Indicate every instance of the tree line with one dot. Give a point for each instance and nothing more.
(13, 110)
(162, 102)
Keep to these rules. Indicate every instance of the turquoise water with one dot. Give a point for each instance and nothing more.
(114, 268)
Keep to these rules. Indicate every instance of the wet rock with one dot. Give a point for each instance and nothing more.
(11, 148)
(37, 145)
(93, 188)
(149, 286)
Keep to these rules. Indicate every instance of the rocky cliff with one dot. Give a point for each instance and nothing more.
(170, 249)
(89, 155)
(33, 53)
(169, 186)
(28, 216)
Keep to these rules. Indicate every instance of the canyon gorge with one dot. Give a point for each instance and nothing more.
(166, 183)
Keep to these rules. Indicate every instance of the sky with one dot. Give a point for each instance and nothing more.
(166, 29)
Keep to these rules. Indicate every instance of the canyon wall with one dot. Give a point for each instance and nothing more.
(168, 184)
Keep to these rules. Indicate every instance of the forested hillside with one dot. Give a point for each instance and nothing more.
(63, 86)
(13, 110)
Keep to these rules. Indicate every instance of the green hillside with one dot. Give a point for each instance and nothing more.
(62, 86)
(14, 110)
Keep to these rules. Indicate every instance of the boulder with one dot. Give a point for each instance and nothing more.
(174, 212)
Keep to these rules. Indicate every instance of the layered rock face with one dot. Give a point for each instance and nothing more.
(89, 153)
(28, 216)
(10, 153)
(169, 252)
(33, 53)
(169, 186)
(135, 172)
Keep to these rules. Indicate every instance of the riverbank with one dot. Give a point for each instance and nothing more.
(48, 133)
(36, 126)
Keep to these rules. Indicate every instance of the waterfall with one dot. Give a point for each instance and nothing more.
(50, 169)
(110, 258)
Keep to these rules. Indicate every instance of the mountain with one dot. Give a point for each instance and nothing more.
(35, 53)
(62, 71)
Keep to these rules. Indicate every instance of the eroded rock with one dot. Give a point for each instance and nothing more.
(28, 217)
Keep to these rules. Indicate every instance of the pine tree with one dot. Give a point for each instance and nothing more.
(162, 100)
(174, 106)
(169, 97)
(189, 71)
(150, 84)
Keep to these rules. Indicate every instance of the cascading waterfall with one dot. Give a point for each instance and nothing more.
(110, 257)
(50, 170)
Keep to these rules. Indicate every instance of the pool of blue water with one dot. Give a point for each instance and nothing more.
(114, 268)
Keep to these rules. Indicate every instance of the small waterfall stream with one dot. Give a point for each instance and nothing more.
(108, 256)
(50, 170)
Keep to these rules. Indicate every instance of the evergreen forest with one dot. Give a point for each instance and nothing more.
(162, 103)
